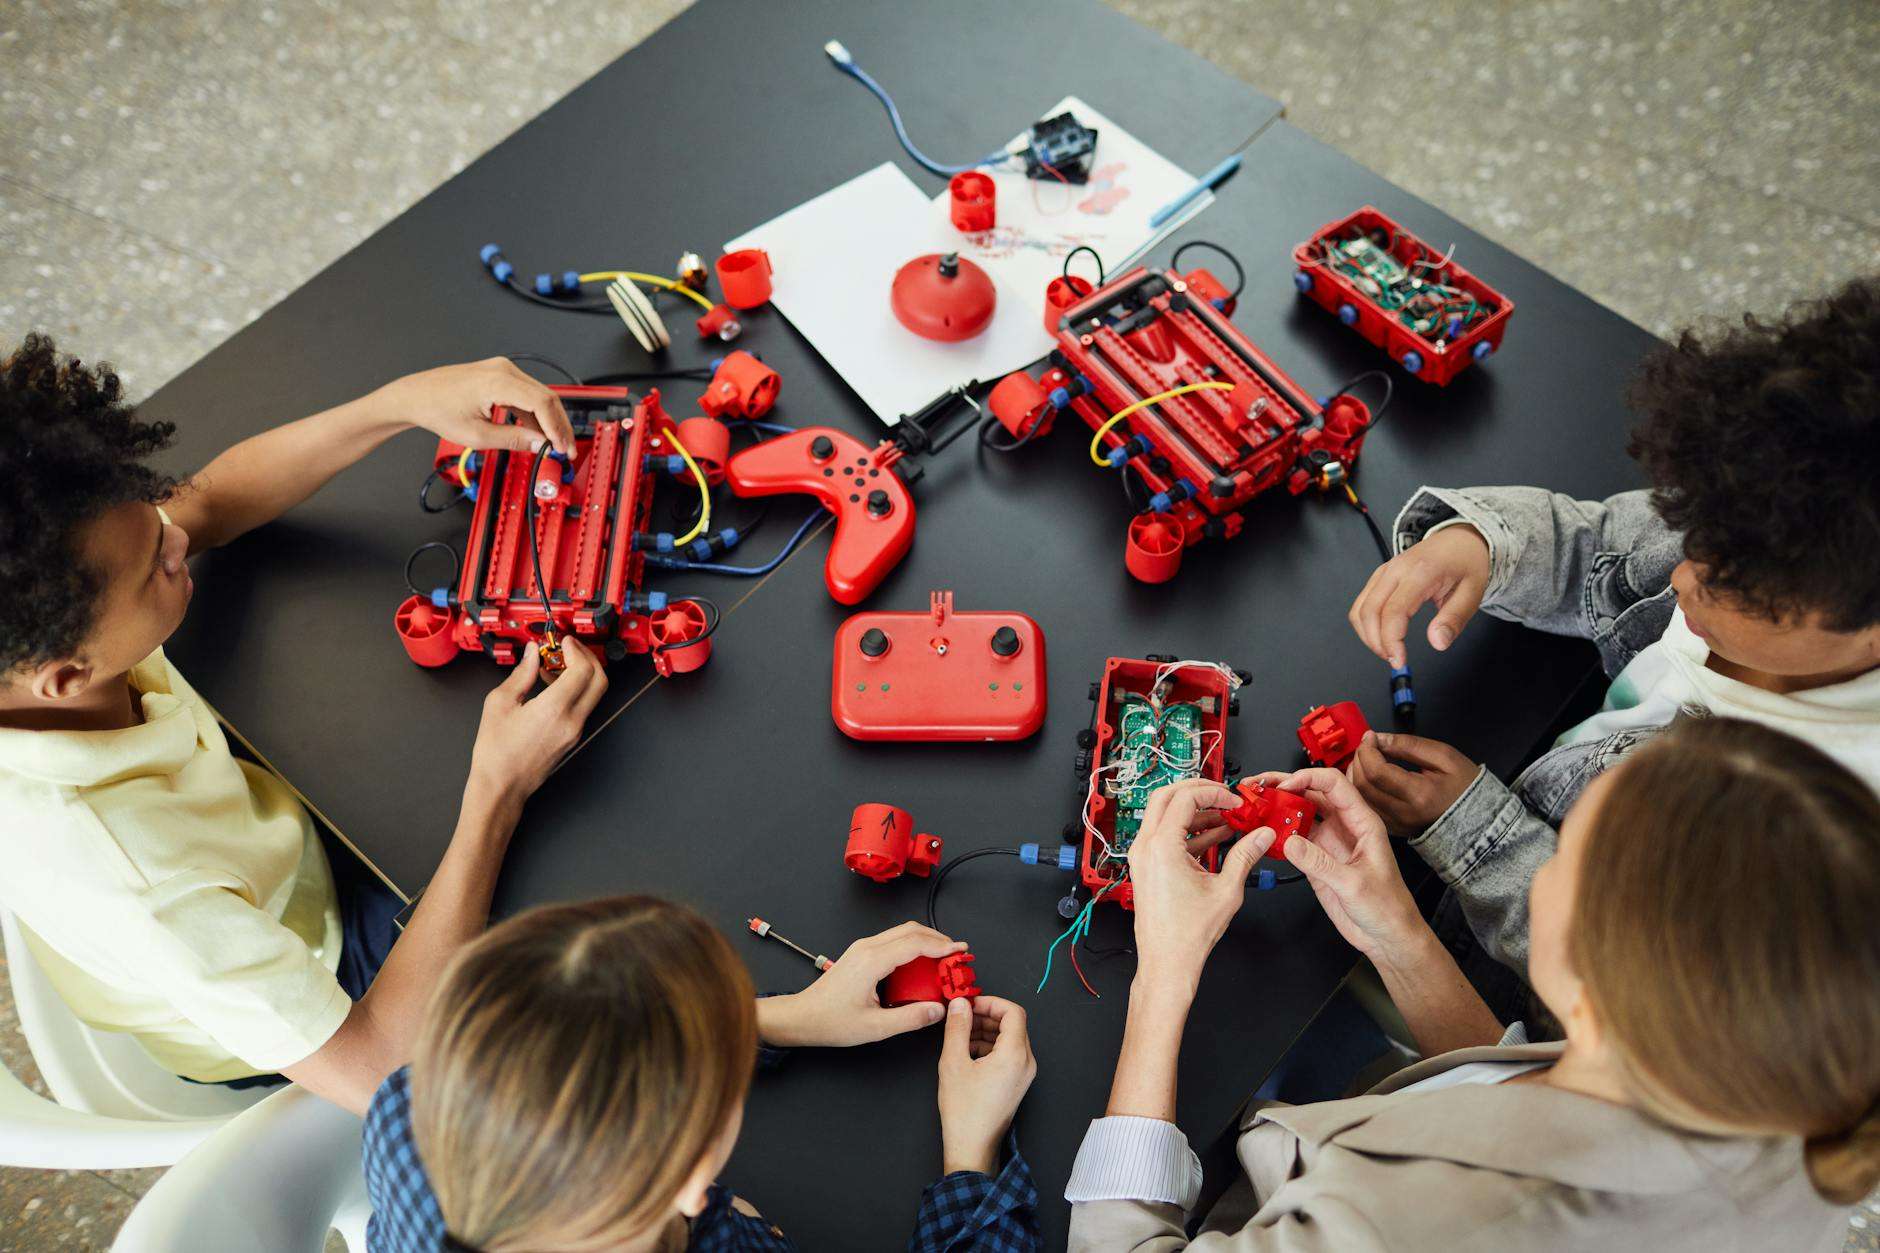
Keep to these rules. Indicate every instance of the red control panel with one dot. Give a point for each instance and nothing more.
(873, 509)
(1287, 813)
(931, 979)
(939, 675)
(1184, 402)
(883, 844)
(1330, 733)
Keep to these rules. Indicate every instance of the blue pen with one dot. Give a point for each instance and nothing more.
(1207, 182)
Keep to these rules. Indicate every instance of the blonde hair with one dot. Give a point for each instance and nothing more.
(1725, 928)
(576, 1065)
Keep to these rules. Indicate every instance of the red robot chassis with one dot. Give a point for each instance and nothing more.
(587, 513)
(1202, 455)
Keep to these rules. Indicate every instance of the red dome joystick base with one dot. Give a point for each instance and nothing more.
(943, 297)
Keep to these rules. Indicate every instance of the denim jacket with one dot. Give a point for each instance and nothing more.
(1599, 570)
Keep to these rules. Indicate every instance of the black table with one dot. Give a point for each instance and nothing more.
(731, 789)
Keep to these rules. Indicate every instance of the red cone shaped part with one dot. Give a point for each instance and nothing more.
(1288, 813)
(744, 277)
(943, 297)
(1154, 550)
(974, 200)
(1059, 295)
(709, 442)
(1019, 403)
(425, 631)
(678, 622)
(930, 979)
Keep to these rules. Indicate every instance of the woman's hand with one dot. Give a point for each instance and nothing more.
(455, 402)
(986, 1067)
(1347, 859)
(524, 733)
(1409, 801)
(1181, 909)
(1448, 569)
(843, 1007)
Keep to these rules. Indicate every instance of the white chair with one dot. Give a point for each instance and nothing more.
(277, 1177)
(116, 1107)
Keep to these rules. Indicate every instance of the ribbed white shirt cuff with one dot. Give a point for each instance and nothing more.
(1515, 1034)
(1135, 1159)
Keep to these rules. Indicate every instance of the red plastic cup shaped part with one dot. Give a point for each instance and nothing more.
(425, 631)
(931, 979)
(675, 630)
(709, 442)
(1153, 551)
(943, 296)
(882, 844)
(1059, 295)
(974, 201)
(1019, 402)
(1288, 813)
(741, 387)
(744, 277)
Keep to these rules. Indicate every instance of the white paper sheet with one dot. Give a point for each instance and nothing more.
(834, 258)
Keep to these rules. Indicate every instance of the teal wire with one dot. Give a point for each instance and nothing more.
(1080, 925)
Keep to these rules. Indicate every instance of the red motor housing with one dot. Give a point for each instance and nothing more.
(1330, 733)
(1288, 813)
(974, 197)
(882, 844)
(744, 277)
(741, 387)
(931, 979)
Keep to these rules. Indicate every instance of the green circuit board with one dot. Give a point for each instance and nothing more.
(1176, 733)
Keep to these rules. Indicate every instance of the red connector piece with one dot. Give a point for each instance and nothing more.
(1330, 733)
(741, 387)
(720, 323)
(931, 979)
(1288, 813)
(882, 844)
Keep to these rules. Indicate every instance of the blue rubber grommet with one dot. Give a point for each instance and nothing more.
(1348, 314)
(1413, 361)
(1302, 279)
(1481, 350)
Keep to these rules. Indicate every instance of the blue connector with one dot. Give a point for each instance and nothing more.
(1413, 361)
(1059, 397)
(502, 270)
(1266, 881)
(671, 463)
(1403, 696)
(1175, 495)
(489, 252)
(570, 281)
(544, 284)
(440, 597)
(1066, 856)
(1302, 279)
(1347, 313)
(1481, 350)
(700, 549)
(662, 542)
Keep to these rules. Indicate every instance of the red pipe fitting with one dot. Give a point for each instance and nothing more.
(741, 387)
(1330, 733)
(720, 324)
(1153, 551)
(744, 277)
(1060, 294)
(882, 844)
(931, 979)
(709, 442)
(1287, 813)
(974, 201)
(425, 631)
(671, 627)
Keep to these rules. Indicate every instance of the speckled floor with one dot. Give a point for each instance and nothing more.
(169, 170)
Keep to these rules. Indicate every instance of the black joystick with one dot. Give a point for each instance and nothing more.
(1005, 641)
(822, 448)
(874, 642)
(879, 504)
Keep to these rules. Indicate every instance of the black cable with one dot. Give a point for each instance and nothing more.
(697, 373)
(1356, 502)
(933, 885)
(713, 618)
(456, 565)
(1240, 275)
(1129, 493)
(550, 362)
(1094, 256)
(424, 493)
(535, 546)
(548, 302)
(989, 440)
(1390, 389)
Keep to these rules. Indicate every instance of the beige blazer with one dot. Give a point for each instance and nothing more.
(1479, 1167)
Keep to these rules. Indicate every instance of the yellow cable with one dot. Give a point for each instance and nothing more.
(651, 280)
(463, 466)
(704, 495)
(1096, 441)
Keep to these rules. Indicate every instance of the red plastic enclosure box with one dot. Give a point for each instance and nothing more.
(939, 675)
(1432, 360)
(1205, 686)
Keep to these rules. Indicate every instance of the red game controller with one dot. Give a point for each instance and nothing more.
(882, 844)
(938, 675)
(873, 508)
(1288, 813)
(930, 979)
(1330, 733)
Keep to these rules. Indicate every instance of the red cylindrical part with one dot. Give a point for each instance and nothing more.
(548, 478)
(1153, 550)
(741, 387)
(881, 842)
(1288, 813)
(930, 979)
(721, 324)
(974, 201)
(709, 442)
(678, 622)
(1059, 295)
(425, 631)
(1018, 401)
(744, 277)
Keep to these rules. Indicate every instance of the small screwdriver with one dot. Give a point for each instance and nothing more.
(759, 927)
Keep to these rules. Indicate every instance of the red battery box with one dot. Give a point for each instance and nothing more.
(587, 512)
(1432, 316)
(1158, 721)
(1176, 395)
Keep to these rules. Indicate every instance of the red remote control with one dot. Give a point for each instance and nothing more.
(873, 508)
(938, 675)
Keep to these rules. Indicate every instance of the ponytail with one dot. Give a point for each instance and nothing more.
(1845, 1166)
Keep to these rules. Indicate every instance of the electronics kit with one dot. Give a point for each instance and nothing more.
(1196, 420)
